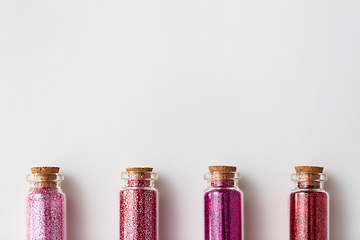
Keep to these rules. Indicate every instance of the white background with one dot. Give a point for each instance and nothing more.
(98, 86)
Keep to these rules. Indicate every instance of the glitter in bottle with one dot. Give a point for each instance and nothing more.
(45, 205)
(309, 203)
(139, 205)
(223, 204)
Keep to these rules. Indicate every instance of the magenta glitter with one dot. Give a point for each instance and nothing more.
(45, 214)
(138, 211)
(223, 205)
(223, 215)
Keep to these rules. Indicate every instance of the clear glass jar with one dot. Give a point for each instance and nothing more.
(139, 205)
(223, 204)
(309, 205)
(45, 205)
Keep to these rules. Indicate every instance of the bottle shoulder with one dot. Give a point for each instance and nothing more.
(139, 188)
(210, 190)
(309, 191)
(46, 193)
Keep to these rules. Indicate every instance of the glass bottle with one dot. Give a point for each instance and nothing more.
(45, 205)
(309, 205)
(139, 205)
(223, 204)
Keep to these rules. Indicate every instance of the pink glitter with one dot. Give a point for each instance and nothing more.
(138, 212)
(45, 214)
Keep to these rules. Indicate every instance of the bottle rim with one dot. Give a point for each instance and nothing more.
(306, 177)
(45, 177)
(218, 176)
(135, 175)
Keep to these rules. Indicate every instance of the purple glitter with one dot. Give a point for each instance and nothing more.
(45, 214)
(138, 211)
(223, 214)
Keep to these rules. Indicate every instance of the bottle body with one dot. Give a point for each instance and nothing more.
(309, 208)
(139, 207)
(309, 215)
(45, 208)
(223, 213)
(223, 208)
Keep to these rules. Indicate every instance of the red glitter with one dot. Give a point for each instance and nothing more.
(308, 215)
(309, 207)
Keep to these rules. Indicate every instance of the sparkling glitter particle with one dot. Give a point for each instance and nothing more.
(308, 215)
(223, 215)
(138, 212)
(45, 214)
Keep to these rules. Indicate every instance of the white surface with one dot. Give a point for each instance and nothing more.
(97, 86)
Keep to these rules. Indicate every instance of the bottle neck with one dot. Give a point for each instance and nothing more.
(45, 180)
(222, 179)
(139, 179)
(223, 183)
(38, 185)
(309, 180)
(309, 185)
(139, 183)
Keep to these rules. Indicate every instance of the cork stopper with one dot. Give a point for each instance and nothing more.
(222, 172)
(139, 169)
(308, 169)
(309, 176)
(45, 176)
(222, 169)
(139, 172)
(45, 170)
